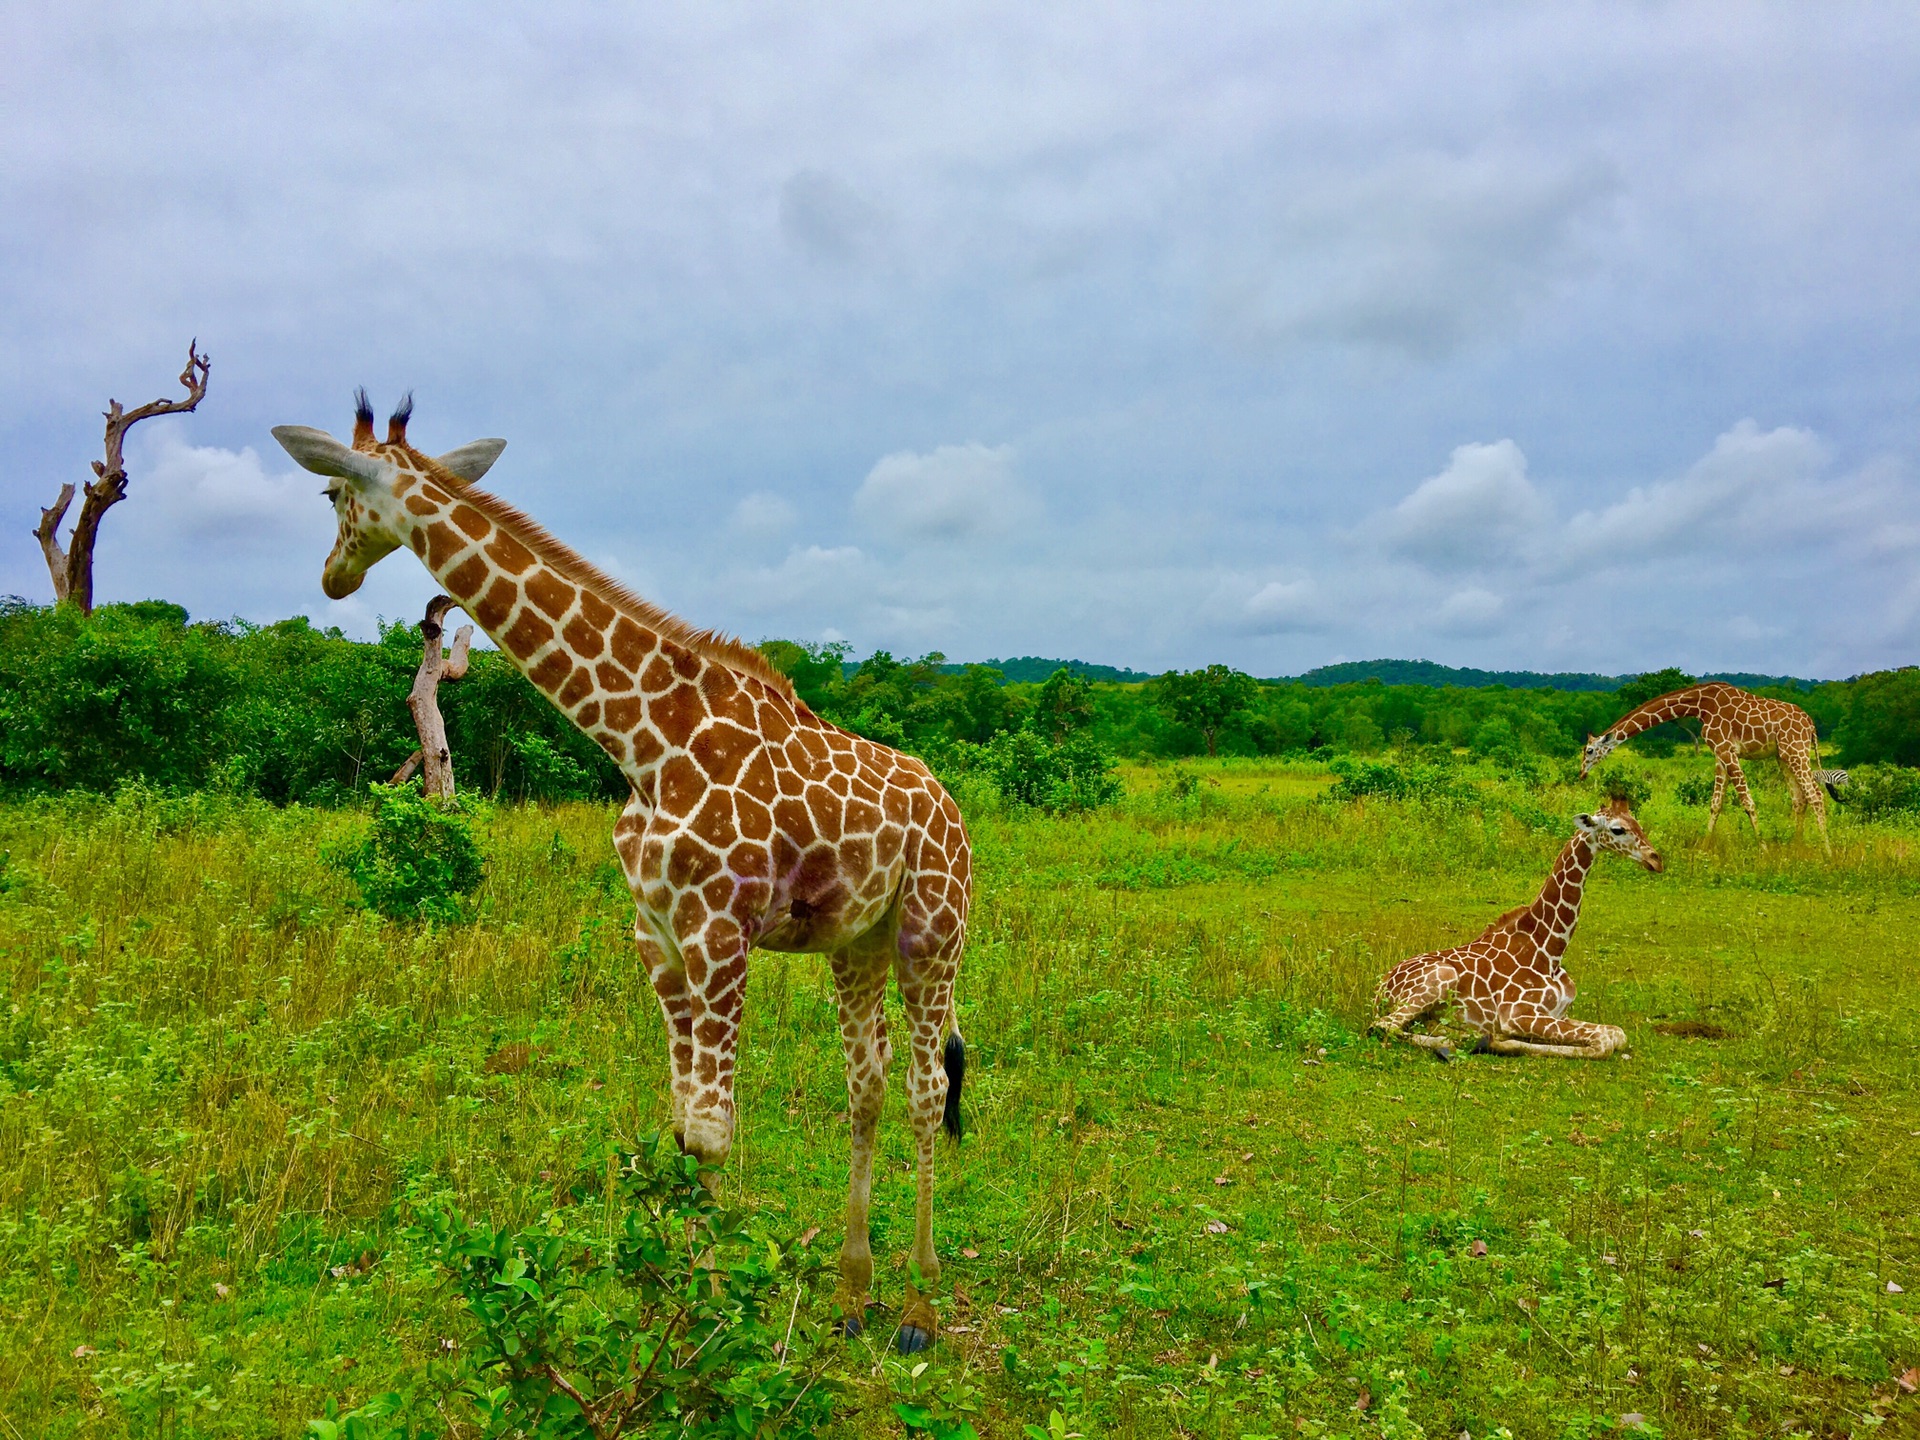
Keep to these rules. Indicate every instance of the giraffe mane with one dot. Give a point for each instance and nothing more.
(714, 645)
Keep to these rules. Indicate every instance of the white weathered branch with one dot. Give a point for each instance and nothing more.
(424, 700)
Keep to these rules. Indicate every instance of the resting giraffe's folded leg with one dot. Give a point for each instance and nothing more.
(1569, 1039)
(1430, 991)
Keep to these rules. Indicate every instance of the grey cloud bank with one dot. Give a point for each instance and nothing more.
(1585, 338)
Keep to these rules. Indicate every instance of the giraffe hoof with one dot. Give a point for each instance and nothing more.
(1443, 1053)
(1482, 1046)
(912, 1340)
(850, 1326)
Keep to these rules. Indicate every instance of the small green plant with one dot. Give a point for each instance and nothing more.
(419, 860)
(1694, 790)
(645, 1308)
(932, 1402)
(1624, 782)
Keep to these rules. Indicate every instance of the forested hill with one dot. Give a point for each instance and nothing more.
(1426, 672)
(1033, 669)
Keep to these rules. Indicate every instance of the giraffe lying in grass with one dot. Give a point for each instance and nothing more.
(1509, 983)
(753, 822)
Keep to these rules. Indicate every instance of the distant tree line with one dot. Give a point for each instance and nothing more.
(295, 713)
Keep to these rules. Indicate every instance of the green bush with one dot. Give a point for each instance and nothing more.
(1029, 769)
(1694, 790)
(1623, 782)
(419, 860)
(1395, 780)
(551, 774)
(643, 1308)
(1878, 791)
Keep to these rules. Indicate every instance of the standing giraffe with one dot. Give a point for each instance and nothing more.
(752, 822)
(1735, 723)
(1509, 982)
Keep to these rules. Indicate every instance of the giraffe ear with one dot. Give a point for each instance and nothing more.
(473, 459)
(319, 452)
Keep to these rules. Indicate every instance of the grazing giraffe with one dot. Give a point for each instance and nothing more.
(753, 822)
(1734, 723)
(1509, 983)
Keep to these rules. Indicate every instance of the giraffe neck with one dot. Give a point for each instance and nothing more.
(1556, 910)
(628, 686)
(1659, 710)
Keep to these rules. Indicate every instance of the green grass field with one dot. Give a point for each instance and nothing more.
(1194, 1199)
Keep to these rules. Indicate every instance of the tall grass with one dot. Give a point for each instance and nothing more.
(1198, 1200)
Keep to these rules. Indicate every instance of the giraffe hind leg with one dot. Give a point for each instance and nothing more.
(859, 982)
(1807, 793)
(926, 962)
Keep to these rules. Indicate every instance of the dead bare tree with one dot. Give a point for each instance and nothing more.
(424, 701)
(72, 568)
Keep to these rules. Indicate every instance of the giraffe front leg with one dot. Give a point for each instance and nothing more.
(669, 976)
(859, 979)
(1746, 801)
(1420, 999)
(928, 1000)
(1719, 794)
(715, 959)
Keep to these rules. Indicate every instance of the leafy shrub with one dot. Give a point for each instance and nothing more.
(1029, 769)
(1694, 790)
(668, 1316)
(1624, 782)
(1395, 780)
(1878, 791)
(419, 859)
(551, 774)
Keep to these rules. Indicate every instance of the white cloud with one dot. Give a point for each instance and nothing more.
(1482, 508)
(1472, 611)
(1280, 606)
(217, 532)
(763, 516)
(952, 493)
(1754, 487)
(808, 577)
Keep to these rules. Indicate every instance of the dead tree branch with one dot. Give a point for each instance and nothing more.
(424, 700)
(72, 569)
(48, 534)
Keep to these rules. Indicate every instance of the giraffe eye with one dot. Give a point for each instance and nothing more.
(1619, 829)
(332, 492)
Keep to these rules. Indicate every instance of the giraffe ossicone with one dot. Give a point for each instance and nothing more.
(1508, 983)
(1735, 723)
(753, 822)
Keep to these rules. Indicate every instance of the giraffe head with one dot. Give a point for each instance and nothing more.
(1598, 748)
(1612, 827)
(367, 485)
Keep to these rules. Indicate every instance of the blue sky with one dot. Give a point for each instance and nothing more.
(1556, 337)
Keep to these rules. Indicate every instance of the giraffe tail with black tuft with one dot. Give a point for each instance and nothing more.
(955, 1060)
